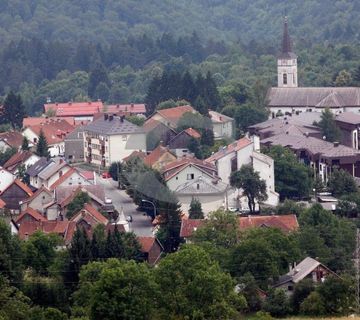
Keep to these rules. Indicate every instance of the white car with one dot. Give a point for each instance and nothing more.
(108, 200)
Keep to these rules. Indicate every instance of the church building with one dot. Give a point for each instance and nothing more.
(287, 98)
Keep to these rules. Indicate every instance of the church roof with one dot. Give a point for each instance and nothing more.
(332, 97)
(286, 47)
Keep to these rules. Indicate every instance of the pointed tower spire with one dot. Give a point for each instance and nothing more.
(286, 42)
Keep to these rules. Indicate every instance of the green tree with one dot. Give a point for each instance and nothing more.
(252, 186)
(341, 183)
(277, 303)
(313, 305)
(136, 120)
(42, 149)
(193, 286)
(195, 211)
(290, 207)
(14, 111)
(301, 292)
(6, 155)
(102, 92)
(328, 126)
(343, 79)
(247, 115)
(25, 144)
(77, 204)
(97, 76)
(200, 106)
(292, 178)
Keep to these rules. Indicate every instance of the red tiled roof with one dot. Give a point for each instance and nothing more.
(34, 121)
(134, 154)
(93, 212)
(188, 226)
(193, 133)
(146, 243)
(285, 223)
(31, 212)
(174, 114)
(156, 154)
(17, 159)
(111, 228)
(12, 138)
(176, 166)
(21, 185)
(235, 146)
(54, 131)
(75, 108)
(88, 175)
(130, 108)
(2, 204)
(62, 178)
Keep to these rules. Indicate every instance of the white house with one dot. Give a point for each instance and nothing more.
(6, 179)
(223, 126)
(112, 138)
(71, 178)
(21, 158)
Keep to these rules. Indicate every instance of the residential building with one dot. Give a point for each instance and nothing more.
(54, 132)
(180, 143)
(74, 145)
(110, 139)
(287, 98)
(16, 192)
(159, 157)
(151, 248)
(223, 126)
(38, 201)
(349, 125)
(72, 177)
(88, 217)
(189, 226)
(35, 121)
(21, 158)
(10, 139)
(135, 154)
(157, 131)
(128, 109)
(6, 178)
(29, 215)
(309, 268)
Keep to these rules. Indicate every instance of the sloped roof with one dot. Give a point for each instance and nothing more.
(52, 168)
(64, 195)
(131, 108)
(235, 146)
(201, 186)
(33, 121)
(151, 124)
(156, 154)
(2, 204)
(66, 175)
(348, 117)
(135, 154)
(112, 127)
(189, 226)
(147, 243)
(218, 117)
(38, 166)
(17, 159)
(193, 133)
(314, 97)
(21, 185)
(39, 191)
(96, 215)
(75, 108)
(12, 138)
(31, 212)
(174, 114)
(285, 223)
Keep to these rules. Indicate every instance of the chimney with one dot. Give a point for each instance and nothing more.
(336, 143)
(132, 106)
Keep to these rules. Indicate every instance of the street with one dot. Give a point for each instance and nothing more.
(141, 224)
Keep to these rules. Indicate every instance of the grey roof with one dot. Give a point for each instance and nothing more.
(313, 145)
(332, 97)
(112, 127)
(200, 186)
(348, 117)
(37, 167)
(51, 169)
(286, 48)
(61, 193)
(74, 135)
(219, 117)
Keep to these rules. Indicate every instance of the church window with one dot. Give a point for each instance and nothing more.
(285, 78)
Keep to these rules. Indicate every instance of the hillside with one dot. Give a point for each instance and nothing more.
(106, 20)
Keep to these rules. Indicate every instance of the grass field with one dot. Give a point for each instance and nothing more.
(340, 318)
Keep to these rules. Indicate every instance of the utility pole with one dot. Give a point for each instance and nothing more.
(357, 270)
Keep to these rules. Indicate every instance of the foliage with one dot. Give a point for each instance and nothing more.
(135, 120)
(277, 303)
(195, 211)
(77, 203)
(114, 170)
(252, 186)
(6, 155)
(292, 178)
(14, 111)
(349, 205)
(42, 148)
(313, 305)
(290, 207)
(301, 292)
(328, 126)
(341, 183)
(25, 144)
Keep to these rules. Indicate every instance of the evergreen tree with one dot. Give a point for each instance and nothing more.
(14, 111)
(328, 126)
(42, 146)
(77, 204)
(200, 106)
(189, 91)
(195, 211)
(25, 144)
(98, 75)
(114, 244)
(211, 95)
(207, 137)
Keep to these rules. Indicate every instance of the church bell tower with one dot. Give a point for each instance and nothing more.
(287, 62)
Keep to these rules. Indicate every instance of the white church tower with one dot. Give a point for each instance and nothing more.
(287, 62)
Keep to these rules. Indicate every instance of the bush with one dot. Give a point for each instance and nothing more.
(313, 305)
(277, 303)
(261, 315)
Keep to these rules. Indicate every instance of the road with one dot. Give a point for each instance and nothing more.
(141, 224)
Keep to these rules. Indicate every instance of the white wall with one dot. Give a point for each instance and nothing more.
(6, 178)
(75, 179)
(223, 130)
(57, 149)
(54, 177)
(119, 148)
(209, 203)
(3, 146)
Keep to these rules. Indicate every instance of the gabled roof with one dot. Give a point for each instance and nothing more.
(217, 117)
(21, 185)
(31, 212)
(64, 195)
(193, 133)
(233, 147)
(156, 154)
(150, 124)
(12, 138)
(135, 154)
(189, 226)
(96, 215)
(59, 181)
(112, 125)
(127, 108)
(286, 223)
(37, 193)
(38, 166)
(147, 243)
(75, 108)
(201, 186)
(33, 121)
(174, 114)
(17, 159)
(52, 168)
(178, 165)
(2, 204)
(348, 117)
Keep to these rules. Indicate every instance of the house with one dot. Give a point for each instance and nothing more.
(349, 125)
(88, 217)
(6, 178)
(171, 116)
(35, 121)
(72, 177)
(212, 194)
(16, 192)
(82, 112)
(135, 154)
(21, 158)
(110, 139)
(189, 226)
(245, 152)
(65, 229)
(159, 157)
(157, 131)
(74, 145)
(288, 98)
(128, 109)
(151, 248)
(180, 143)
(29, 215)
(223, 126)
(54, 132)
(309, 268)
(10, 139)
(38, 201)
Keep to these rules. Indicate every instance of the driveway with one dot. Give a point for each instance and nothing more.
(141, 224)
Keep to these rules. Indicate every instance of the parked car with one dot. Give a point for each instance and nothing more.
(106, 175)
(108, 200)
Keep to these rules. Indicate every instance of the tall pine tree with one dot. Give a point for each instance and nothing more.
(42, 149)
(14, 111)
(195, 211)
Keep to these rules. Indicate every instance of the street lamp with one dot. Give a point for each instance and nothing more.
(152, 204)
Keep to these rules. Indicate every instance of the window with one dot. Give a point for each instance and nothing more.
(190, 176)
(285, 80)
